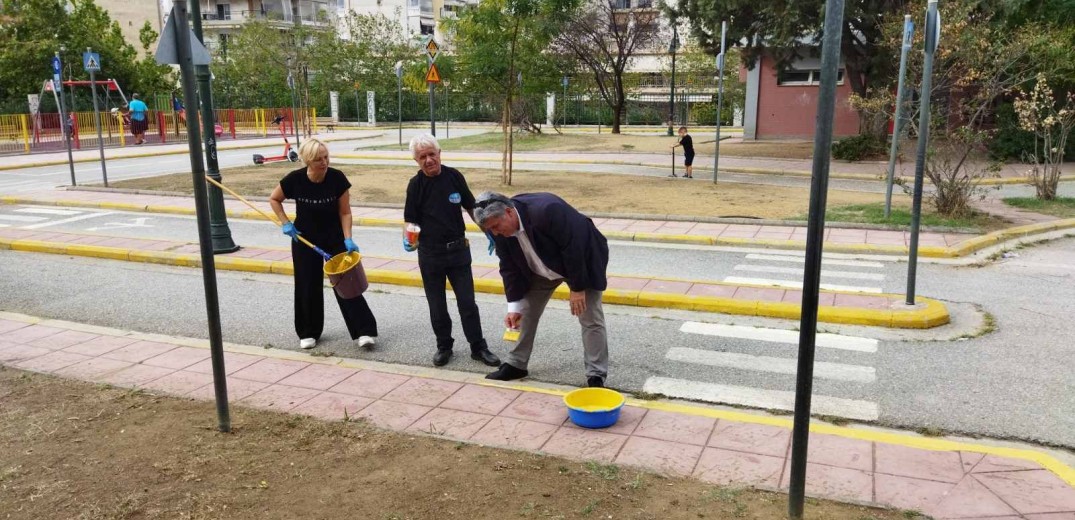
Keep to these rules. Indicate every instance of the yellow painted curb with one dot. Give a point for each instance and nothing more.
(113, 253)
(234, 263)
(1065, 472)
(38, 246)
(126, 206)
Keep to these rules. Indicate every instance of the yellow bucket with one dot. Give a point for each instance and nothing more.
(347, 276)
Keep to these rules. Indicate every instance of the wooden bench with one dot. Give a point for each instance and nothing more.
(326, 122)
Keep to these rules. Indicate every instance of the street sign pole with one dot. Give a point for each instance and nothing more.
(933, 32)
(432, 77)
(294, 107)
(897, 119)
(672, 96)
(218, 219)
(564, 110)
(197, 168)
(815, 232)
(399, 99)
(720, 95)
(432, 118)
(57, 86)
(96, 111)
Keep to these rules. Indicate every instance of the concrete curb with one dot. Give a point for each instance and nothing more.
(959, 250)
(931, 313)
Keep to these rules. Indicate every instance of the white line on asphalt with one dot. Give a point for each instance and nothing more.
(760, 398)
(776, 365)
(790, 337)
(48, 211)
(22, 218)
(825, 261)
(66, 220)
(799, 285)
(793, 270)
(5, 225)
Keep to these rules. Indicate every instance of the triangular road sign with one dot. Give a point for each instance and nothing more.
(433, 76)
(432, 48)
(166, 47)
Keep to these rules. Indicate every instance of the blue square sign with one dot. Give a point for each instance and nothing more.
(91, 61)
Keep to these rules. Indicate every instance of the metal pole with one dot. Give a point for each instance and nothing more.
(720, 95)
(97, 121)
(212, 305)
(447, 112)
(432, 118)
(218, 218)
(294, 108)
(564, 110)
(672, 97)
(819, 185)
(933, 31)
(358, 109)
(897, 119)
(57, 86)
(399, 94)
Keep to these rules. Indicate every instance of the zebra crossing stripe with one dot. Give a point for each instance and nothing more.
(790, 337)
(877, 277)
(48, 211)
(825, 261)
(21, 218)
(790, 284)
(759, 398)
(776, 365)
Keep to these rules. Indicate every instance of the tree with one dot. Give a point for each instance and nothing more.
(501, 49)
(695, 64)
(605, 40)
(1050, 120)
(367, 57)
(149, 76)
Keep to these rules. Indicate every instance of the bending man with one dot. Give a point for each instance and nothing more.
(542, 242)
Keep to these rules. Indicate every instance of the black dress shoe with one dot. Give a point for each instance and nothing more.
(595, 382)
(507, 372)
(485, 356)
(441, 357)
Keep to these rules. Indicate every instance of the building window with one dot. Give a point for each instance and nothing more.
(427, 29)
(223, 11)
(810, 77)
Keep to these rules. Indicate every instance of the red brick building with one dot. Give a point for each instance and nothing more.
(783, 104)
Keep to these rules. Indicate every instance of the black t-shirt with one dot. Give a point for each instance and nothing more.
(435, 203)
(317, 204)
(688, 145)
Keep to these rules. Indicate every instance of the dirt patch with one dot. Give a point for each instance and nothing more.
(624, 143)
(590, 192)
(76, 450)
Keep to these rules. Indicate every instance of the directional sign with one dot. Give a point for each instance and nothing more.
(432, 49)
(433, 76)
(91, 61)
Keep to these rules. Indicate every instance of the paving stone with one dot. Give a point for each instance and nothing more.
(668, 458)
(514, 433)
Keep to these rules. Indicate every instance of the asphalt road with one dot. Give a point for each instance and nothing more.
(1015, 382)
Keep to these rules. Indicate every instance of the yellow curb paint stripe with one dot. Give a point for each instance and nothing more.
(900, 439)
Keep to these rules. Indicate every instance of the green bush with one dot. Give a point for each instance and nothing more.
(858, 148)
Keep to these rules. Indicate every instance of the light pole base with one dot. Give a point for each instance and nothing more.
(222, 242)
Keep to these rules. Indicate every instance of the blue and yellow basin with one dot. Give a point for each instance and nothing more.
(594, 407)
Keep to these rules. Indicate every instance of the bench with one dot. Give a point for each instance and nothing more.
(326, 122)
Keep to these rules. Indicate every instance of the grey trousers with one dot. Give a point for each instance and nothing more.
(594, 335)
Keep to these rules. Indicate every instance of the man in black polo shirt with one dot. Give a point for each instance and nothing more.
(436, 196)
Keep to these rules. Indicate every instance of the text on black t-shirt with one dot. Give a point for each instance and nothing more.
(436, 204)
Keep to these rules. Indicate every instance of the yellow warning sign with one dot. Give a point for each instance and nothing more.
(432, 48)
(433, 76)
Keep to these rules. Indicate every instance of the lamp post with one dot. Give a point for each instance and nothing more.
(672, 97)
(564, 110)
(399, 98)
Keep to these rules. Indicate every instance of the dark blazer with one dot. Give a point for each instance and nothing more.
(566, 241)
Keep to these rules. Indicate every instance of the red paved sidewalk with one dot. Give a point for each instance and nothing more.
(948, 480)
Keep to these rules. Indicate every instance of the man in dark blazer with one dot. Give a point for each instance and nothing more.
(543, 242)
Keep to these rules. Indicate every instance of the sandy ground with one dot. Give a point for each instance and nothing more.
(82, 451)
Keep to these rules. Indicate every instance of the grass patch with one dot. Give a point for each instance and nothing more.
(1063, 207)
(874, 213)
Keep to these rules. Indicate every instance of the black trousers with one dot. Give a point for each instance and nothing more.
(310, 296)
(437, 265)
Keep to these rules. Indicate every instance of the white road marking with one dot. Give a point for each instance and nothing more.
(824, 261)
(760, 398)
(66, 220)
(21, 218)
(877, 277)
(776, 365)
(134, 223)
(790, 337)
(799, 285)
(48, 211)
(5, 225)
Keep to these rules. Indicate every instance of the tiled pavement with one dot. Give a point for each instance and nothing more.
(726, 448)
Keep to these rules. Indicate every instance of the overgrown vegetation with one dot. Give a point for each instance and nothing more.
(1063, 207)
(859, 147)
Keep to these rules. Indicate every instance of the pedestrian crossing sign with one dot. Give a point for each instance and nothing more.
(91, 61)
(433, 76)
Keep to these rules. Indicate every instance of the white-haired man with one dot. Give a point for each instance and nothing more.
(436, 198)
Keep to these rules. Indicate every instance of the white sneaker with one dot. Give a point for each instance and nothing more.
(366, 342)
(307, 343)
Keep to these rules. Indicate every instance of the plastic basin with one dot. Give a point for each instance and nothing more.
(594, 407)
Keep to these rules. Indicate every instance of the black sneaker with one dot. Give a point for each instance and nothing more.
(507, 372)
(595, 382)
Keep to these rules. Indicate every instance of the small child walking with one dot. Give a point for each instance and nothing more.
(688, 152)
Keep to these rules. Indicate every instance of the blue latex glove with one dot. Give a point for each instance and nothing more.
(350, 245)
(289, 230)
(492, 245)
(408, 247)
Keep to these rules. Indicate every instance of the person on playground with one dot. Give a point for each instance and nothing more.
(543, 242)
(177, 107)
(323, 207)
(139, 121)
(688, 152)
(436, 198)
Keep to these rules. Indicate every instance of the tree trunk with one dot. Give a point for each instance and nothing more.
(620, 102)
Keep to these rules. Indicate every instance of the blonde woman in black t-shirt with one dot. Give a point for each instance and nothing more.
(323, 216)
